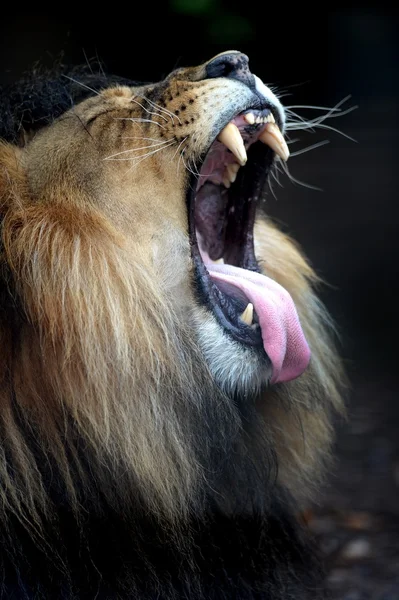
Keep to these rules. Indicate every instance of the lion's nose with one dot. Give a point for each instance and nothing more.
(231, 64)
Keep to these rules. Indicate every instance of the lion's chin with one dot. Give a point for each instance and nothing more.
(235, 368)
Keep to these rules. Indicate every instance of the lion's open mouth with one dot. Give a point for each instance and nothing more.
(252, 308)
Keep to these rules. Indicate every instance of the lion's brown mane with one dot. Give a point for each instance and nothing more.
(105, 399)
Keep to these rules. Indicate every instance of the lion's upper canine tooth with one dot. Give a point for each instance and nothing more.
(219, 261)
(230, 136)
(275, 131)
(250, 118)
(248, 314)
(272, 136)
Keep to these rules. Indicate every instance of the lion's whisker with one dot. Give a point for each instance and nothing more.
(185, 166)
(83, 85)
(141, 158)
(178, 147)
(189, 169)
(131, 158)
(310, 127)
(149, 111)
(299, 122)
(133, 137)
(270, 184)
(282, 166)
(312, 107)
(309, 148)
(196, 167)
(138, 120)
(180, 158)
(162, 109)
(275, 174)
(196, 173)
(135, 150)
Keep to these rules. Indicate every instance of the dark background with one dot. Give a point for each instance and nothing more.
(317, 55)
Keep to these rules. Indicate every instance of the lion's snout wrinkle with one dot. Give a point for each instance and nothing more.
(145, 453)
(234, 65)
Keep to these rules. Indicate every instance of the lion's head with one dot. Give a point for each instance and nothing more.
(154, 323)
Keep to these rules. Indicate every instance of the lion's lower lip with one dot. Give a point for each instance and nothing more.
(226, 308)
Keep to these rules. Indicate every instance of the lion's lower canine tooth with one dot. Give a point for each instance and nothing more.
(231, 138)
(231, 172)
(233, 167)
(226, 181)
(248, 314)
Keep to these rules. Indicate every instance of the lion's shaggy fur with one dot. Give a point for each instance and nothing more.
(104, 391)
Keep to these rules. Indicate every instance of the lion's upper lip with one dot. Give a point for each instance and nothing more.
(263, 127)
(237, 135)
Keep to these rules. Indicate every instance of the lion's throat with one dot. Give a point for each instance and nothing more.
(283, 338)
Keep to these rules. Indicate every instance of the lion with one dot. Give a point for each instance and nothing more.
(169, 378)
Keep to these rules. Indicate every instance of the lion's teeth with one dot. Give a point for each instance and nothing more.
(250, 118)
(230, 136)
(274, 130)
(272, 136)
(219, 261)
(248, 314)
(231, 172)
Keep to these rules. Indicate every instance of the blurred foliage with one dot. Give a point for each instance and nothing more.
(230, 28)
(220, 23)
(193, 7)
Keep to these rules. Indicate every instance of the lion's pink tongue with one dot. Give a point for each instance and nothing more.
(283, 339)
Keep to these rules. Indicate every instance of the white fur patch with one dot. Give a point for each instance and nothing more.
(270, 96)
(234, 367)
